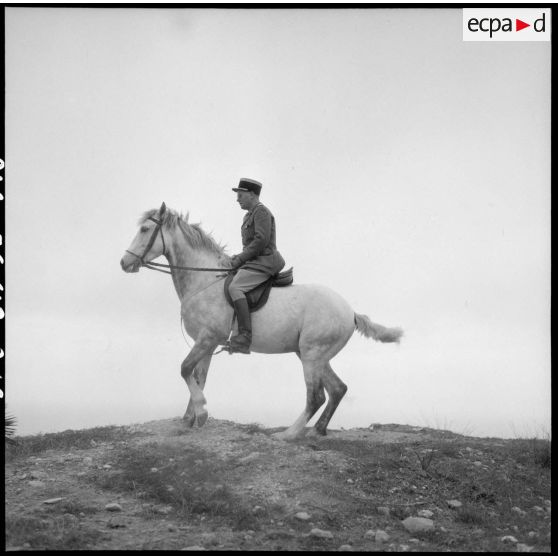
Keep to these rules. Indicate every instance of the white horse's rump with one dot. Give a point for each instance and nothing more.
(299, 316)
(310, 320)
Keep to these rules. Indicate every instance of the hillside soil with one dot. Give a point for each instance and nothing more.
(227, 486)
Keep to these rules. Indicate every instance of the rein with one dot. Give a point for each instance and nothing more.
(155, 267)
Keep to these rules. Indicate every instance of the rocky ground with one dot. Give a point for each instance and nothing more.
(227, 486)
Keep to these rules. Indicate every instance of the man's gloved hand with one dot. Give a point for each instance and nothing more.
(235, 262)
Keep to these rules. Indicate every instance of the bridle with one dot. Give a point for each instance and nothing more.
(157, 266)
(154, 234)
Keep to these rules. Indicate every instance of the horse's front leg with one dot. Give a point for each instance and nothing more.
(201, 350)
(200, 374)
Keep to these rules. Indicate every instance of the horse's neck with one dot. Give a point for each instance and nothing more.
(181, 254)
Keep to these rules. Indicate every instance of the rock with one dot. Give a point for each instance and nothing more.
(345, 548)
(404, 548)
(524, 548)
(414, 540)
(107, 466)
(538, 509)
(425, 513)
(257, 509)
(478, 532)
(163, 510)
(350, 481)
(193, 548)
(115, 524)
(477, 463)
(381, 536)
(303, 516)
(370, 534)
(88, 460)
(321, 534)
(113, 507)
(36, 484)
(383, 510)
(532, 534)
(519, 511)
(154, 470)
(418, 524)
(454, 504)
(250, 457)
(38, 475)
(53, 501)
(509, 539)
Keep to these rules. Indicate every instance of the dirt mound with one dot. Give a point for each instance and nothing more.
(228, 486)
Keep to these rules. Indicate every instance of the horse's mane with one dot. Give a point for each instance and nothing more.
(195, 235)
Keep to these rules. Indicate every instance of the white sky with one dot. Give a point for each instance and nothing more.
(406, 169)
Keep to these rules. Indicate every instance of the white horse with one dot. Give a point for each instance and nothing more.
(310, 320)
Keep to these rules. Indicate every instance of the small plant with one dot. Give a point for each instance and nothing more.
(541, 451)
(9, 429)
(472, 515)
(425, 458)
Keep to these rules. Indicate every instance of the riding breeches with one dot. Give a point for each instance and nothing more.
(245, 280)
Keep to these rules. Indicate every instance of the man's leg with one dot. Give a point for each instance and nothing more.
(244, 281)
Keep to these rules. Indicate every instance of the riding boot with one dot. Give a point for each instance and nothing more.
(241, 343)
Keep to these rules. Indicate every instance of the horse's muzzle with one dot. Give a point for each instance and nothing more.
(130, 265)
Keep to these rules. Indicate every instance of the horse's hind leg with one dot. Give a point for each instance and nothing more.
(315, 398)
(200, 374)
(336, 389)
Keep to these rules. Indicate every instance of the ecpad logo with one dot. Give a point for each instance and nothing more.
(506, 24)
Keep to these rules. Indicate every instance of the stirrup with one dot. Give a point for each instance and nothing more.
(233, 346)
(231, 350)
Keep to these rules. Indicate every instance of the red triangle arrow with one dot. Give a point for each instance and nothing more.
(519, 25)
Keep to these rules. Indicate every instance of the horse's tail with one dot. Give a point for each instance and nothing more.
(377, 332)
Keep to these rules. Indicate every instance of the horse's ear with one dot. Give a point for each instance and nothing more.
(162, 210)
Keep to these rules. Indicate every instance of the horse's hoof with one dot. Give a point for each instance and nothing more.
(315, 433)
(202, 418)
(189, 420)
(284, 436)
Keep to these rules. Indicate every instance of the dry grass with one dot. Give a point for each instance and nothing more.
(67, 440)
(191, 481)
(54, 531)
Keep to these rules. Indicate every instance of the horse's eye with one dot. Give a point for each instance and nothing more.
(144, 229)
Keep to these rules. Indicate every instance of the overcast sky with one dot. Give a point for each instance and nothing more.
(406, 169)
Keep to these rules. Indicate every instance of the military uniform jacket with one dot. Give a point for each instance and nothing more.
(258, 242)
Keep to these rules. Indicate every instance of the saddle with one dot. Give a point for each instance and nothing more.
(258, 296)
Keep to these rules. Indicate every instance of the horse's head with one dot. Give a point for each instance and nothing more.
(148, 244)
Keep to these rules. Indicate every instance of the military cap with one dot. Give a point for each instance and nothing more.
(249, 185)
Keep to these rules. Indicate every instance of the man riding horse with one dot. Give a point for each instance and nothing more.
(258, 261)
